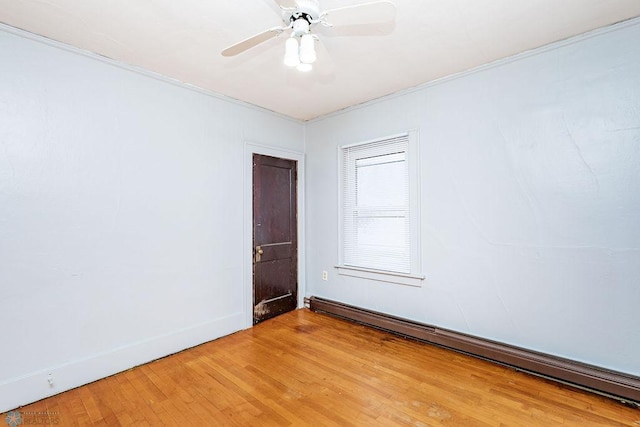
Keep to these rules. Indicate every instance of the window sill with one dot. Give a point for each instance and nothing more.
(381, 276)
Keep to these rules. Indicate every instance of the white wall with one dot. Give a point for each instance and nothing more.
(121, 226)
(121, 239)
(530, 201)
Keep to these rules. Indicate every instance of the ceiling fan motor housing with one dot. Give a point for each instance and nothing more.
(301, 25)
(303, 16)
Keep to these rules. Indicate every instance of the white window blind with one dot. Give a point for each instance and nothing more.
(376, 214)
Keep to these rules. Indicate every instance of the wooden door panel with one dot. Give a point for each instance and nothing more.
(273, 251)
(270, 297)
(275, 276)
(272, 223)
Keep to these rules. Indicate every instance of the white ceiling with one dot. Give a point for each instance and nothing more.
(430, 39)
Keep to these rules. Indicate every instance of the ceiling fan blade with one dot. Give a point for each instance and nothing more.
(361, 14)
(252, 41)
(286, 4)
(279, 6)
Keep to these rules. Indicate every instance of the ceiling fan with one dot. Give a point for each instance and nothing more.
(302, 17)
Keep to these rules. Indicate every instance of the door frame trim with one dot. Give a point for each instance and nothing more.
(251, 148)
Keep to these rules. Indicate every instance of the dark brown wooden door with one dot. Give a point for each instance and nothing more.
(275, 242)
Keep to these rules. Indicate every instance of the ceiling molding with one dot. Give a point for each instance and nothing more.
(138, 70)
(491, 65)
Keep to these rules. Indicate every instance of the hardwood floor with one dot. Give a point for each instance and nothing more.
(305, 368)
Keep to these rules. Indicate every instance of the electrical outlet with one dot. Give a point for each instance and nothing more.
(325, 275)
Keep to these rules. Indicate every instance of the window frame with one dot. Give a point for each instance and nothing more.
(415, 277)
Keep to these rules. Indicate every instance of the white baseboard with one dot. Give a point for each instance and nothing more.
(20, 391)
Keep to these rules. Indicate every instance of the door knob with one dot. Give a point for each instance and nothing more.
(259, 253)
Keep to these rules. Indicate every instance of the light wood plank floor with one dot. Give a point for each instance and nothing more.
(304, 368)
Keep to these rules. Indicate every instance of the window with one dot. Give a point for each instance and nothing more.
(379, 210)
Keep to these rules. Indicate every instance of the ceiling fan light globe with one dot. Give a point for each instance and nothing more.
(291, 58)
(305, 68)
(307, 49)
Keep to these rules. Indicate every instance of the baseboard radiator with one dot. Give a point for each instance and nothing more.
(617, 385)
